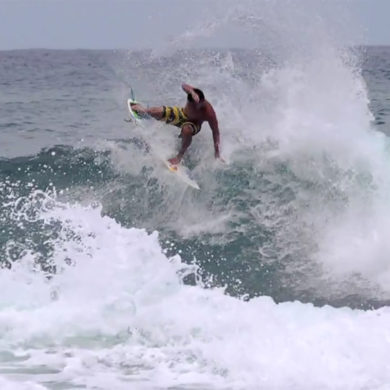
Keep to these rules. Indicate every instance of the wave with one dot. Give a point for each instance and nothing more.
(298, 213)
(114, 273)
(115, 287)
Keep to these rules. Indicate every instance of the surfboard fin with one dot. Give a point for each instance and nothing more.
(132, 94)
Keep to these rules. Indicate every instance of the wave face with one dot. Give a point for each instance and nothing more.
(114, 272)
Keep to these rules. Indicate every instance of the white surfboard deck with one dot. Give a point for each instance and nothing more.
(182, 173)
(179, 171)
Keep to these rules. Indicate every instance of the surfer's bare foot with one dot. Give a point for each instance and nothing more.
(174, 161)
(138, 108)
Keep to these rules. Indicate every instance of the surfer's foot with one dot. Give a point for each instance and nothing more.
(174, 161)
(138, 108)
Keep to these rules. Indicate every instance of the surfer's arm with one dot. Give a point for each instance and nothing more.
(190, 90)
(213, 123)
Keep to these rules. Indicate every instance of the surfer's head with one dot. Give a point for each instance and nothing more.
(199, 93)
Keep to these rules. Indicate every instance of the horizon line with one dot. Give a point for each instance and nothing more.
(147, 49)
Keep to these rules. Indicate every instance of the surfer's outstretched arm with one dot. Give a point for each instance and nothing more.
(213, 122)
(190, 91)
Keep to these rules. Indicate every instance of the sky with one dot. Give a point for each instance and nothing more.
(134, 24)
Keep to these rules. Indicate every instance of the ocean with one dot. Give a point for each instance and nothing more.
(116, 275)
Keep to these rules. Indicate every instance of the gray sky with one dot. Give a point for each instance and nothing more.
(97, 24)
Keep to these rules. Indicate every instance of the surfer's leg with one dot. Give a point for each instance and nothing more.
(186, 139)
(170, 115)
(154, 112)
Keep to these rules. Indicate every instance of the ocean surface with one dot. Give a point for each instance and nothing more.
(116, 275)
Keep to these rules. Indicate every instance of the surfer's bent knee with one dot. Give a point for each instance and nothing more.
(193, 129)
(187, 131)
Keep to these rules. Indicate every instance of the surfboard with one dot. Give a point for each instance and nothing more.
(134, 116)
(179, 171)
(182, 173)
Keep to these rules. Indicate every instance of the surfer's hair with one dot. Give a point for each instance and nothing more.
(199, 93)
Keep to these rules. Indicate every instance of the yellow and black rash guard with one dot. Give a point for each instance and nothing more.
(175, 116)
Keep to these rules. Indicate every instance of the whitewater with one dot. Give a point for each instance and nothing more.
(275, 275)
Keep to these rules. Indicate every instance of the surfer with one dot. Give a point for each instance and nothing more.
(190, 118)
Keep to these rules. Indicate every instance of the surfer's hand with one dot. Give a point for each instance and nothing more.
(174, 161)
(218, 157)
